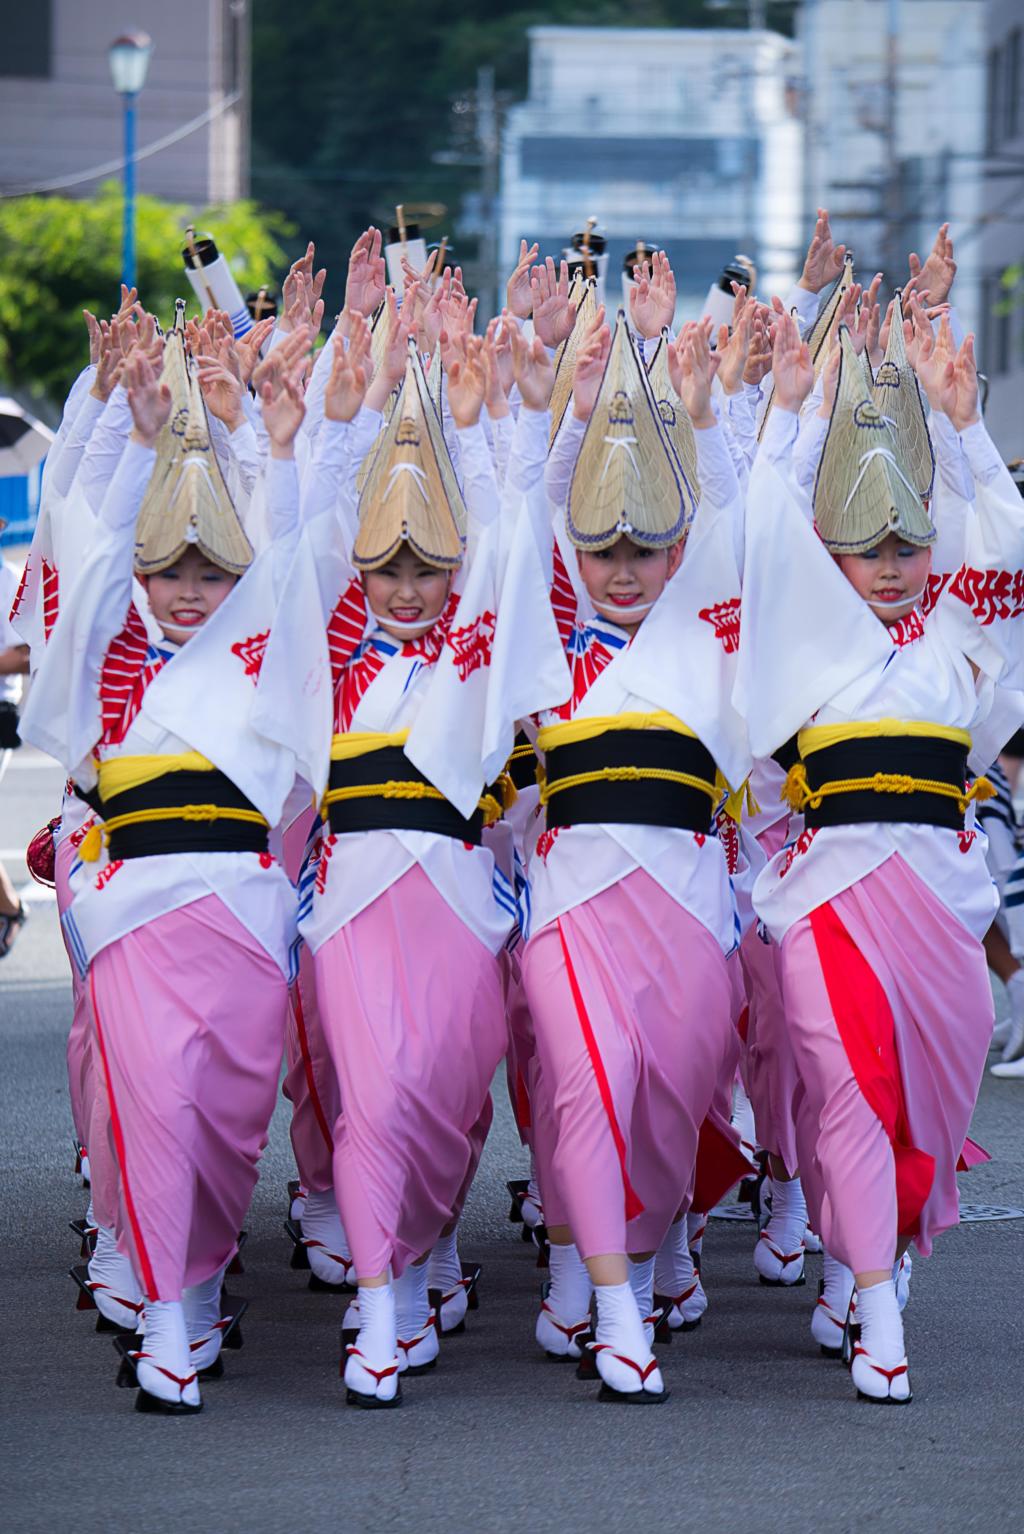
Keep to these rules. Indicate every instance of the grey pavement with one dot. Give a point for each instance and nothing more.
(760, 1435)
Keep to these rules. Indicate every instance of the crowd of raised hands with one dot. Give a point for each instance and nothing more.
(274, 361)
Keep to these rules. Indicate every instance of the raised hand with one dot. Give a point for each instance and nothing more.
(759, 356)
(392, 365)
(534, 369)
(367, 274)
(249, 346)
(829, 382)
(591, 361)
(792, 369)
(495, 393)
(518, 292)
(430, 321)
(350, 372)
(733, 350)
(652, 299)
(824, 259)
(934, 279)
(129, 298)
(458, 314)
(148, 399)
(467, 384)
(284, 408)
(110, 363)
(692, 366)
(553, 315)
(222, 388)
(92, 325)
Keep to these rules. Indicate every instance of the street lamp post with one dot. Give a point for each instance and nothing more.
(129, 61)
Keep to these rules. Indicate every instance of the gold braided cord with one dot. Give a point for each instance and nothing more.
(99, 835)
(627, 775)
(575, 730)
(405, 789)
(519, 752)
(817, 737)
(359, 742)
(120, 773)
(798, 794)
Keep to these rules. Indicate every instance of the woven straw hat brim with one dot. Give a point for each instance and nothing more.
(627, 481)
(862, 490)
(897, 394)
(411, 494)
(187, 502)
(583, 293)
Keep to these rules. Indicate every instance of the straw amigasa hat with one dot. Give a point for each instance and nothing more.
(411, 494)
(582, 293)
(898, 396)
(187, 502)
(627, 481)
(864, 487)
(674, 415)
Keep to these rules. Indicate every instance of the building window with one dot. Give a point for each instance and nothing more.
(993, 97)
(26, 50)
(997, 326)
(1014, 84)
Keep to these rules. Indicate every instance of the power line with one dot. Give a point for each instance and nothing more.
(111, 166)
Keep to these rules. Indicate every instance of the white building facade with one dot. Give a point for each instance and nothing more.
(685, 139)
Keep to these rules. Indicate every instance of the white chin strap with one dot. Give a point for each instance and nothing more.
(404, 630)
(887, 607)
(623, 614)
(179, 631)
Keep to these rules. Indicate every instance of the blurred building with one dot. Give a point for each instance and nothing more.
(1001, 320)
(61, 119)
(684, 139)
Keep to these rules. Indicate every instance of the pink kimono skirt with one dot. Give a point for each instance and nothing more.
(411, 1007)
(770, 1071)
(189, 1013)
(630, 999)
(890, 1016)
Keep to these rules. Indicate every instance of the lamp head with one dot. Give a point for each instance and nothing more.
(129, 62)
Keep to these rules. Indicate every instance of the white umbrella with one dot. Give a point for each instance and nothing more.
(24, 441)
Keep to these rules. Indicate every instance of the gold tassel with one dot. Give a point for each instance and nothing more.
(795, 791)
(92, 844)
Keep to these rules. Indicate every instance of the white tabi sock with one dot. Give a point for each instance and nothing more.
(570, 1287)
(641, 1281)
(201, 1304)
(412, 1307)
(789, 1215)
(620, 1331)
(444, 1269)
(377, 1325)
(881, 1324)
(695, 1225)
(673, 1265)
(166, 1348)
(838, 1285)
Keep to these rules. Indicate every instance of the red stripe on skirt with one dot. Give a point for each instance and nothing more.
(633, 1204)
(307, 1065)
(867, 1031)
(148, 1280)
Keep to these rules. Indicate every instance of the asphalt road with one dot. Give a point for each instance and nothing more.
(761, 1434)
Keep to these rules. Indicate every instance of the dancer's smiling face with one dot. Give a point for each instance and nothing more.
(407, 590)
(625, 578)
(891, 577)
(185, 595)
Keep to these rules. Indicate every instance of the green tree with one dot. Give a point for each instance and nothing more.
(59, 256)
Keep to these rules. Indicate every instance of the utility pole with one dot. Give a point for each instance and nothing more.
(487, 137)
(891, 212)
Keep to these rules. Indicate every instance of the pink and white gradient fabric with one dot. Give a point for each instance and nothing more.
(412, 1010)
(310, 1082)
(189, 1013)
(934, 978)
(630, 999)
(79, 1055)
(769, 1068)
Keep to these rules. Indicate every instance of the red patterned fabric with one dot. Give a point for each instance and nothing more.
(563, 598)
(124, 678)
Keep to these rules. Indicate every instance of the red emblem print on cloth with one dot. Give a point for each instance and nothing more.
(545, 842)
(125, 676)
(798, 848)
(323, 855)
(934, 587)
(51, 597)
(471, 645)
(966, 840)
(729, 836)
(724, 618)
(699, 838)
(105, 875)
(907, 630)
(251, 652)
(990, 594)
